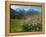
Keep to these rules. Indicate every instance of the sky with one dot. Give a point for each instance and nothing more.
(36, 8)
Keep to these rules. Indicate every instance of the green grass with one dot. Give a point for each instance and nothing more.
(19, 25)
(16, 25)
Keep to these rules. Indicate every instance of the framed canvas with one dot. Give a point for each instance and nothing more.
(25, 18)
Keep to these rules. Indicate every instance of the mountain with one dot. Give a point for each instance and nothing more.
(19, 13)
(15, 14)
(32, 12)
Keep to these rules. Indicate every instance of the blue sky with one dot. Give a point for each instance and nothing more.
(37, 8)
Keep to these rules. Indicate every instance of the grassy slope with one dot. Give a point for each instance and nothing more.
(16, 24)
